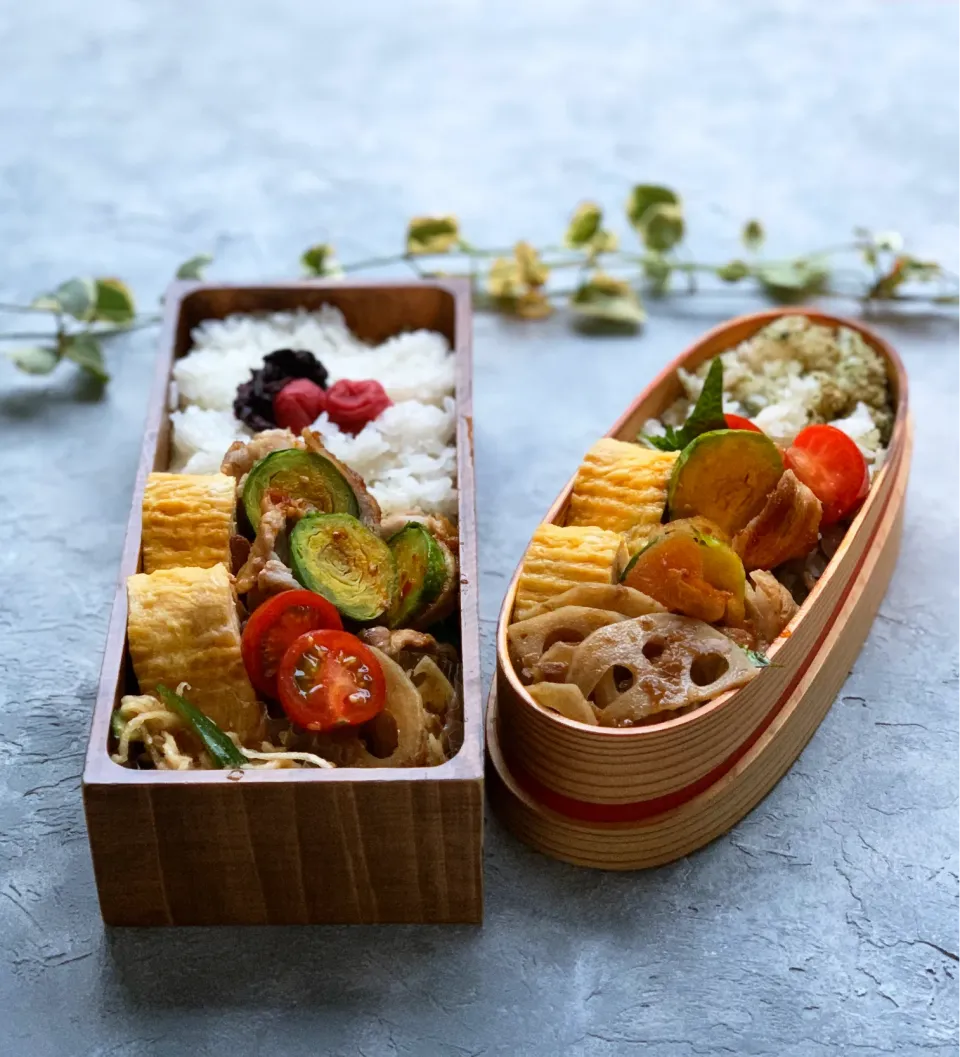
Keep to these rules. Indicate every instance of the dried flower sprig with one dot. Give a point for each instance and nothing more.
(612, 282)
(606, 295)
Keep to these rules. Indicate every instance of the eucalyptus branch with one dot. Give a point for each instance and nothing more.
(608, 289)
(373, 262)
(84, 313)
(611, 281)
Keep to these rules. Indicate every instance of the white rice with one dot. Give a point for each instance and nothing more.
(861, 428)
(200, 438)
(794, 372)
(407, 456)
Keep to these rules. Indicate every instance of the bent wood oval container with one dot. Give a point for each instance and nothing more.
(625, 798)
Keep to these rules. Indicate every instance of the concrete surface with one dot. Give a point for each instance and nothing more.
(135, 134)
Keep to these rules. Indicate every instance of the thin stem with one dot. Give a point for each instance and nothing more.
(841, 247)
(576, 262)
(675, 265)
(474, 251)
(471, 253)
(103, 332)
(138, 324)
(918, 298)
(26, 335)
(4, 307)
(374, 262)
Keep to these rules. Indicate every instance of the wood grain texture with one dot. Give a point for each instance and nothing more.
(619, 788)
(297, 846)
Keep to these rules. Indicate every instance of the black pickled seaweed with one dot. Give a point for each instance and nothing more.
(253, 404)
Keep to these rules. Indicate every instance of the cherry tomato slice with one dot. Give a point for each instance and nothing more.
(739, 422)
(274, 625)
(831, 465)
(330, 679)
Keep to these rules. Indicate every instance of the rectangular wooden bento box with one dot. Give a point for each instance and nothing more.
(304, 846)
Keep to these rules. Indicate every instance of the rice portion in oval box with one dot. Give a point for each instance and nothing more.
(406, 453)
(795, 372)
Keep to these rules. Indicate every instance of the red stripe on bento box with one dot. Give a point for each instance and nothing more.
(638, 810)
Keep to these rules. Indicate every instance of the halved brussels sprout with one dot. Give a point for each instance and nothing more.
(336, 556)
(302, 476)
(421, 573)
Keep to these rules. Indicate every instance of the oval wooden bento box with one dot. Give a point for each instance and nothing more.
(309, 846)
(625, 799)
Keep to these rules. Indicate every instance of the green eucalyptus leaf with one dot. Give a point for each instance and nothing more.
(644, 196)
(584, 225)
(658, 271)
(36, 359)
(606, 304)
(114, 301)
(433, 234)
(85, 352)
(733, 271)
(604, 242)
(752, 235)
(320, 261)
(662, 227)
(47, 302)
(76, 297)
(792, 280)
(195, 267)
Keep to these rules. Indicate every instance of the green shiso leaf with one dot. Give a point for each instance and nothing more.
(707, 414)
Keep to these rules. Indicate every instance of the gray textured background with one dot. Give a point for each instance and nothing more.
(135, 134)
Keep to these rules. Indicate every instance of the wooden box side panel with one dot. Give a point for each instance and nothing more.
(288, 853)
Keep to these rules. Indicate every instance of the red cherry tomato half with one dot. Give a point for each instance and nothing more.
(330, 679)
(274, 625)
(739, 422)
(831, 465)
